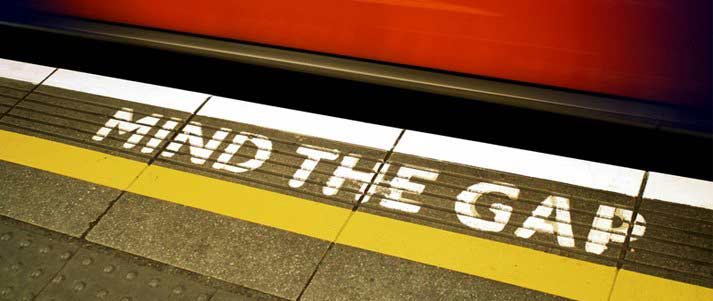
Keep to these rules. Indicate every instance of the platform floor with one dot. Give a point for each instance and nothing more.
(119, 190)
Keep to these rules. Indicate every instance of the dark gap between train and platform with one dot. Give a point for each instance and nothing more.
(599, 141)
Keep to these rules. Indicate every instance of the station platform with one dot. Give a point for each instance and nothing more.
(119, 190)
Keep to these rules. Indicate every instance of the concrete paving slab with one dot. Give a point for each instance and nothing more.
(51, 201)
(229, 296)
(255, 256)
(29, 259)
(353, 274)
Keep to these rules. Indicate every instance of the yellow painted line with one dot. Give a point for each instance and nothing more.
(636, 286)
(240, 201)
(558, 275)
(75, 162)
(244, 202)
(507, 263)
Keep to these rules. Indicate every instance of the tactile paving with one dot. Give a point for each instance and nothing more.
(679, 231)
(11, 92)
(78, 118)
(17, 79)
(28, 261)
(100, 275)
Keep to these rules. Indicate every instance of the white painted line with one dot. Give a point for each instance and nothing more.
(680, 190)
(23, 71)
(527, 163)
(303, 123)
(159, 96)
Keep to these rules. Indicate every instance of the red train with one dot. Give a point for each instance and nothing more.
(651, 50)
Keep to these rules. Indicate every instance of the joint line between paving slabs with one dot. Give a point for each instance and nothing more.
(354, 209)
(168, 141)
(28, 93)
(180, 130)
(627, 239)
(111, 204)
(76, 250)
(632, 223)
